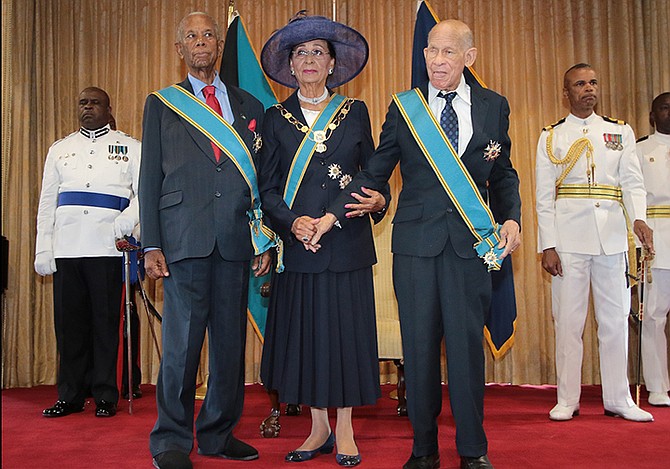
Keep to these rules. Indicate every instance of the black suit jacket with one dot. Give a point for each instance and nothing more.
(426, 217)
(349, 147)
(188, 202)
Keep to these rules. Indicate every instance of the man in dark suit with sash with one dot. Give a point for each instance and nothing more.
(452, 143)
(198, 194)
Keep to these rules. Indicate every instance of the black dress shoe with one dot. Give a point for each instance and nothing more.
(432, 461)
(482, 462)
(62, 408)
(237, 450)
(172, 460)
(105, 409)
(137, 393)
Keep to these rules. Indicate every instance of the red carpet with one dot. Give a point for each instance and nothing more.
(519, 431)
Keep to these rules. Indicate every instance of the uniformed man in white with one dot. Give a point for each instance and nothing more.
(654, 155)
(586, 169)
(87, 201)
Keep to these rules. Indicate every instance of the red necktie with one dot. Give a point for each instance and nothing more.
(210, 99)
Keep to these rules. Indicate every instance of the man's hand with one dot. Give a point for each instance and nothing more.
(155, 265)
(551, 262)
(645, 235)
(45, 264)
(261, 264)
(510, 237)
(374, 203)
(323, 225)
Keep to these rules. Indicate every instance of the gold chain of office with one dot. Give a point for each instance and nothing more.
(318, 136)
(572, 156)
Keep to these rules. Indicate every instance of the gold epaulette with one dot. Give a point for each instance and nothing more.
(549, 127)
(613, 120)
(642, 139)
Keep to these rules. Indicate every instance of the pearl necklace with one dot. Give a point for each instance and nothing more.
(316, 100)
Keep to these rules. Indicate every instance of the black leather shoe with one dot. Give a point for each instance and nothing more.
(172, 460)
(105, 409)
(482, 462)
(305, 455)
(432, 461)
(62, 408)
(236, 450)
(137, 393)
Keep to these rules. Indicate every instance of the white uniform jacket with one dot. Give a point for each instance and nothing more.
(581, 225)
(104, 162)
(654, 155)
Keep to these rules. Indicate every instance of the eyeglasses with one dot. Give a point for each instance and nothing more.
(303, 53)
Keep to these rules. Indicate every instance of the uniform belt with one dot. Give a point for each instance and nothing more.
(658, 211)
(585, 191)
(93, 199)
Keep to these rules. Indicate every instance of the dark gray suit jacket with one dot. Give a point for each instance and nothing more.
(188, 202)
(426, 217)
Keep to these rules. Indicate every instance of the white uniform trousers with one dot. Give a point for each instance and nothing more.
(654, 342)
(611, 298)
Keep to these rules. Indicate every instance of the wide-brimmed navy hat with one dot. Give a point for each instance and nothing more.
(351, 49)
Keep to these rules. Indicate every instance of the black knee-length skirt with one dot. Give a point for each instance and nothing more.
(320, 345)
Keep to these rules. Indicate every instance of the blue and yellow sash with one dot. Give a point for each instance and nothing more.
(215, 128)
(306, 149)
(452, 174)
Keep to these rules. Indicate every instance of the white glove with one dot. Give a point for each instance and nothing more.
(45, 264)
(123, 226)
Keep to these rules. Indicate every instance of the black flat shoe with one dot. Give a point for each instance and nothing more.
(432, 461)
(105, 409)
(482, 462)
(62, 408)
(172, 460)
(236, 450)
(305, 455)
(347, 460)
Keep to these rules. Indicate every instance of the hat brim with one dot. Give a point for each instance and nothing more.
(351, 49)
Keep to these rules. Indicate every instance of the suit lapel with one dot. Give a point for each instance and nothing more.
(201, 140)
(479, 111)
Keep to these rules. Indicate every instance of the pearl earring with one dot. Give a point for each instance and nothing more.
(292, 72)
(330, 71)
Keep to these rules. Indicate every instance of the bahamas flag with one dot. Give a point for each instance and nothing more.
(240, 67)
(501, 323)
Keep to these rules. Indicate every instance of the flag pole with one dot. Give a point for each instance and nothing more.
(334, 10)
(231, 11)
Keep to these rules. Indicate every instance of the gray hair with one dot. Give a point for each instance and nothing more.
(180, 27)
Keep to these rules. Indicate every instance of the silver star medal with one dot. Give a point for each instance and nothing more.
(492, 151)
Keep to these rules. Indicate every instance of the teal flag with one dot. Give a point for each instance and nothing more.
(240, 67)
(501, 322)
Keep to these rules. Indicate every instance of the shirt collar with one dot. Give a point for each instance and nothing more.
(97, 133)
(581, 121)
(462, 90)
(663, 138)
(198, 85)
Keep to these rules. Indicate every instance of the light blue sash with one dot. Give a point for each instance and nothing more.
(452, 174)
(306, 149)
(215, 128)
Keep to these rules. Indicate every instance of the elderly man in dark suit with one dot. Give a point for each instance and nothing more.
(452, 143)
(197, 193)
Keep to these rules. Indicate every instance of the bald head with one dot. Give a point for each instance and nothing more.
(450, 49)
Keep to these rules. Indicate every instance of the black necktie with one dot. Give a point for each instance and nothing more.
(449, 120)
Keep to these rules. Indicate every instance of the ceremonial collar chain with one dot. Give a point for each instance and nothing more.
(97, 133)
(316, 100)
(318, 136)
